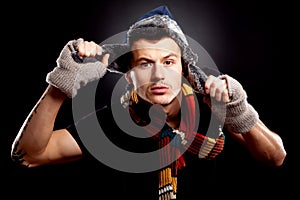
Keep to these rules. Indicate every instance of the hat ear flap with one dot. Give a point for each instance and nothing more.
(128, 77)
(199, 77)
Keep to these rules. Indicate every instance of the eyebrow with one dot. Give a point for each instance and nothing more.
(149, 59)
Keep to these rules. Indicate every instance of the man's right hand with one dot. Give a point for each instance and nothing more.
(91, 49)
(71, 74)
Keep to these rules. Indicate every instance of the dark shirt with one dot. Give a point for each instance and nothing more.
(93, 108)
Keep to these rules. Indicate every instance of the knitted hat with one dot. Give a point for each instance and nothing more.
(158, 20)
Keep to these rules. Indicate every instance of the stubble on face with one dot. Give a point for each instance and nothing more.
(156, 70)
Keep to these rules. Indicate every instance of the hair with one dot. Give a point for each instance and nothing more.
(153, 33)
(121, 55)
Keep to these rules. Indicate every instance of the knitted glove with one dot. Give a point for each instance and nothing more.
(72, 72)
(238, 115)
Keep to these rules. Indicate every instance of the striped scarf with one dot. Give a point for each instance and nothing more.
(177, 141)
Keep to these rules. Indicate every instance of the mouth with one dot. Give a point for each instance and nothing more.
(159, 90)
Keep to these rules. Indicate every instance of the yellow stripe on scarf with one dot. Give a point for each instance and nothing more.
(186, 89)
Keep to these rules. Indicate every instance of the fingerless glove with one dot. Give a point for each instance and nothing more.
(238, 115)
(72, 72)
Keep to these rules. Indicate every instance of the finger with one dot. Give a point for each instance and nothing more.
(225, 96)
(218, 94)
(225, 91)
(105, 59)
(208, 83)
(99, 50)
(219, 88)
(81, 48)
(215, 88)
(93, 49)
(87, 49)
(212, 90)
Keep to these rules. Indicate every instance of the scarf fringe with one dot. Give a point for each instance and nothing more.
(185, 138)
(167, 184)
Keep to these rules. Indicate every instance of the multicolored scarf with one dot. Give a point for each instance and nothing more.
(185, 138)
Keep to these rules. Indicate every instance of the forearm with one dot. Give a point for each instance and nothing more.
(264, 145)
(38, 126)
(243, 122)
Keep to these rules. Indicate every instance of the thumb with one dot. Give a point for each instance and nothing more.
(105, 59)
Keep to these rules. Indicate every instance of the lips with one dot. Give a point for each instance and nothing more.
(158, 90)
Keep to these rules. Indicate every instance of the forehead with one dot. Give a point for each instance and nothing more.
(164, 44)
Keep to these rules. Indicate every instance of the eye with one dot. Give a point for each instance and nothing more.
(146, 64)
(168, 62)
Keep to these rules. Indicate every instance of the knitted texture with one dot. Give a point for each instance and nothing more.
(174, 142)
(155, 21)
(238, 115)
(170, 25)
(174, 31)
(72, 72)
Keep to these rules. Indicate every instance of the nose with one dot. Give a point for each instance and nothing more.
(158, 72)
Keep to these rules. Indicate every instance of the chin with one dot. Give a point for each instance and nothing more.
(161, 101)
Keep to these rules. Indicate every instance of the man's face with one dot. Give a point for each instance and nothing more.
(156, 70)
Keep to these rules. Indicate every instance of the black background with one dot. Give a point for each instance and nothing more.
(246, 39)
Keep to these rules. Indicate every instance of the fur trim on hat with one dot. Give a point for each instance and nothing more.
(164, 21)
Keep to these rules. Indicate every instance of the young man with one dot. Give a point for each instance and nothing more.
(170, 116)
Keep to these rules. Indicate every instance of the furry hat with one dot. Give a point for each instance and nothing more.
(158, 20)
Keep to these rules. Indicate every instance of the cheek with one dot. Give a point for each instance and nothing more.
(141, 79)
(174, 74)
